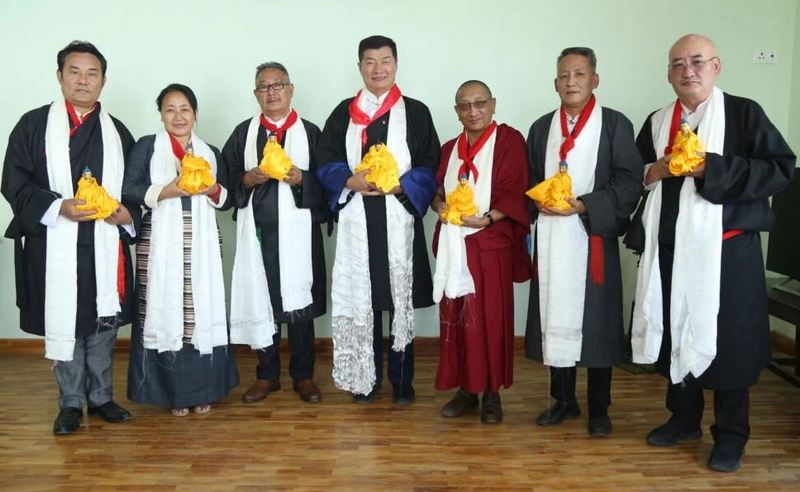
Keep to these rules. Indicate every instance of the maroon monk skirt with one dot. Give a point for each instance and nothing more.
(476, 344)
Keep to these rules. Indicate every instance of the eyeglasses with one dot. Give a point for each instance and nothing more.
(697, 64)
(466, 106)
(275, 86)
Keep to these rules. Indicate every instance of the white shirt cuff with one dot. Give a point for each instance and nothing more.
(129, 229)
(345, 193)
(50, 217)
(151, 196)
(651, 185)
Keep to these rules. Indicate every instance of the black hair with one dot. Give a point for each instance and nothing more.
(183, 89)
(80, 47)
(587, 53)
(375, 43)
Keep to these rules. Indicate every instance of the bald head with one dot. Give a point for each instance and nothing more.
(693, 69)
(474, 83)
(696, 41)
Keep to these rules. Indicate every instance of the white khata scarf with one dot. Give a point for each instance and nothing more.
(351, 294)
(453, 278)
(61, 278)
(252, 319)
(696, 268)
(563, 248)
(163, 327)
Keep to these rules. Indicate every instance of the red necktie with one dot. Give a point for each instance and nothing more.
(359, 117)
(74, 120)
(280, 131)
(596, 253)
(674, 126)
(569, 138)
(467, 153)
(177, 148)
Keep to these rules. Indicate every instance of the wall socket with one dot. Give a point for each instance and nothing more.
(765, 56)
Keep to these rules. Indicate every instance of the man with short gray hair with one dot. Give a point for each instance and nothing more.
(575, 304)
(279, 268)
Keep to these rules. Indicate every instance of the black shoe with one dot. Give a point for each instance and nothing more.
(403, 394)
(600, 425)
(557, 413)
(725, 457)
(672, 433)
(68, 421)
(364, 399)
(111, 412)
(461, 402)
(491, 410)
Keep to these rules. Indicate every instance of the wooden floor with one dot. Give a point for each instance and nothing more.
(282, 443)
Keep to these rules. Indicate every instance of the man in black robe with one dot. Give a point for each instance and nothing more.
(602, 211)
(397, 271)
(727, 350)
(256, 189)
(83, 373)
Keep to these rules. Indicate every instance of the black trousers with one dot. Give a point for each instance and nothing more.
(731, 412)
(401, 364)
(562, 387)
(301, 345)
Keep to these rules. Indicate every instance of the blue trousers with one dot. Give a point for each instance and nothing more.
(401, 364)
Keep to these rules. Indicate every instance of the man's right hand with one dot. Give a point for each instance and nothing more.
(254, 177)
(658, 171)
(70, 211)
(358, 182)
(172, 190)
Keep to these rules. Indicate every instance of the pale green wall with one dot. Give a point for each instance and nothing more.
(213, 46)
(794, 121)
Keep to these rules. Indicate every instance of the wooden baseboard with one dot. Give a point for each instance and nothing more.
(422, 345)
(35, 346)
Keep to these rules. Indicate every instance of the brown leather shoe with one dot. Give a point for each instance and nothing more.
(308, 390)
(259, 390)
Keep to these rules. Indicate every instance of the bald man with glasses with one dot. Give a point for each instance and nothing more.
(479, 255)
(701, 301)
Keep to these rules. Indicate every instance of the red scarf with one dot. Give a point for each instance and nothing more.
(280, 131)
(569, 138)
(674, 126)
(359, 117)
(467, 153)
(74, 120)
(177, 148)
(596, 253)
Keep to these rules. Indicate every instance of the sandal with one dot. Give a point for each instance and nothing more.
(205, 408)
(179, 412)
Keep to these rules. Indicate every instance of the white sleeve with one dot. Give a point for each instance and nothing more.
(129, 229)
(651, 185)
(50, 216)
(151, 196)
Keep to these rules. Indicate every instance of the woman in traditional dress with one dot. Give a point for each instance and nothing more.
(180, 357)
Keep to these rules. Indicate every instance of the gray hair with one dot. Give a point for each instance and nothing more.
(272, 65)
(587, 53)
